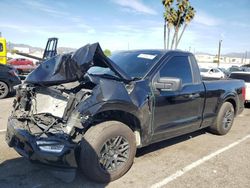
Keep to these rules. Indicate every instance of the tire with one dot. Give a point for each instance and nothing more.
(4, 90)
(96, 148)
(224, 120)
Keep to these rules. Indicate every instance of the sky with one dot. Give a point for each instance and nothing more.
(124, 24)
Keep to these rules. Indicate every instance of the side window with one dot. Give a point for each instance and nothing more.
(1, 47)
(216, 71)
(196, 70)
(178, 67)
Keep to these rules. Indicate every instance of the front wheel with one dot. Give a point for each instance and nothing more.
(107, 151)
(224, 120)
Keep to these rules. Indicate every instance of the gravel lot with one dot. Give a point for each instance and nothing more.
(175, 163)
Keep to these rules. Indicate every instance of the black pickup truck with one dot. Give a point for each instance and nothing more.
(85, 110)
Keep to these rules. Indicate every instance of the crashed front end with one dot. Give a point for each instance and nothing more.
(47, 124)
(42, 126)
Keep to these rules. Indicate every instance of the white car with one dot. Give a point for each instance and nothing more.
(212, 73)
(246, 77)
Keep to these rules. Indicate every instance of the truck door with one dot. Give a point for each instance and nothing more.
(3, 51)
(178, 112)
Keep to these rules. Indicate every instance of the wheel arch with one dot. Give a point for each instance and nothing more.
(120, 115)
(233, 102)
(231, 98)
(128, 118)
(6, 82)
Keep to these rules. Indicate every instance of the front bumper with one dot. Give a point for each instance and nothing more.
(26, 145)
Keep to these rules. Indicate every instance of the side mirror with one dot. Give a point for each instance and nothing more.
(168, 84)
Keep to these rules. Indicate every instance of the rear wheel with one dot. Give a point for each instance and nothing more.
(107, 151)
(4, 89)
(224, 119)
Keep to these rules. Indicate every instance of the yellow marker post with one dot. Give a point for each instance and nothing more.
(3, 51)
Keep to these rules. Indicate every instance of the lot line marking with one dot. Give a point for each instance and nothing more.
(3, 130)
(196, 163)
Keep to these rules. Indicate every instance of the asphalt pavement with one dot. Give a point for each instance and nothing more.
(199, 159)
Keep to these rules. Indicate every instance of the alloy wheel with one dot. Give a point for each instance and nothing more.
(3, 89)
(228, 119)
(114, 153)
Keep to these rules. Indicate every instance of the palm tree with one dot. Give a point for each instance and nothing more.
(176, 16)
(188, 18)
(182, 8)
(167, 5)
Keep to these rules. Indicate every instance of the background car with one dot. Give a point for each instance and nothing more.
(225, 71)
(22, 65)
(246, 77)
(212, 73)
(235, 69)
(8, 79)
(243, 68)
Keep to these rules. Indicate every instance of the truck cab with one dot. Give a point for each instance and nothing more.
(3, 51)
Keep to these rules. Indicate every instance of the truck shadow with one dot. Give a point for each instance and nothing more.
(169, 142)
(19, 172)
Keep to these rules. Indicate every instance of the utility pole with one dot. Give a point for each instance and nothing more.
(220, 41)
(164, 35)
(245, 58)
(0, 34)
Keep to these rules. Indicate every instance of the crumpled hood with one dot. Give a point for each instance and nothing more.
(72, 66)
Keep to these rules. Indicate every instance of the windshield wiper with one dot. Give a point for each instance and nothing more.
(106, 76)
(109, 76)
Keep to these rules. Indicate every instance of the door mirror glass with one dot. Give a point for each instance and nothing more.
(168, 84)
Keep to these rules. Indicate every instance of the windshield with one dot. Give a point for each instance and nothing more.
(203, 70)
(134, 63)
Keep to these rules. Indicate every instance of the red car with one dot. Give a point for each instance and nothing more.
(22, 65)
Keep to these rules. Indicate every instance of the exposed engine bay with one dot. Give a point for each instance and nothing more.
(47, 111)
(46, 104)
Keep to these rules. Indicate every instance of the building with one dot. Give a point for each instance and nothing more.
(22, 49)
(206, 60)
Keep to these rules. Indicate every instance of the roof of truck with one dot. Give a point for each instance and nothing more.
(151, 51)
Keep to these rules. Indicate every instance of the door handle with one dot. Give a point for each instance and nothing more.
(195, 95)
(192, 96)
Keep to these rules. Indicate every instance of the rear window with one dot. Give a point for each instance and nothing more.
(244, 77)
